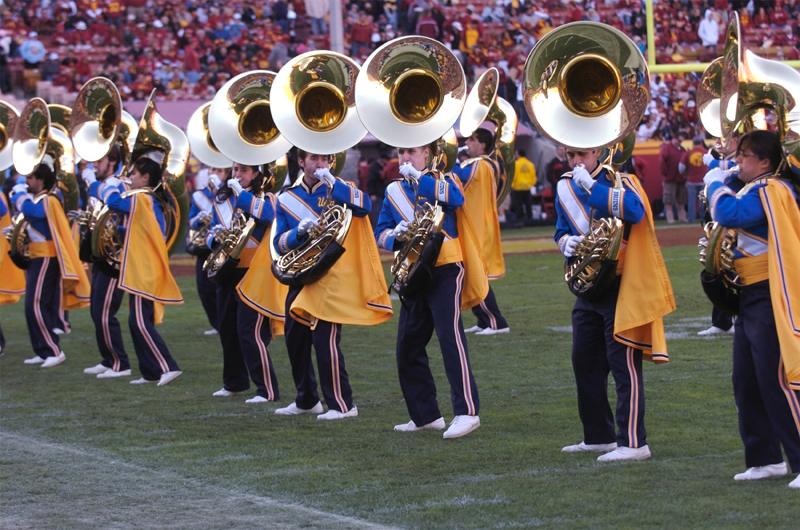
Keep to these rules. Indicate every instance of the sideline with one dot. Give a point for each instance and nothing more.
(49, 485)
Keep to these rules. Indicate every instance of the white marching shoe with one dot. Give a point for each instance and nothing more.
(435, 425)
(141, 381)
(461, 426)
(490, 331)
(294, 410)
(795, 484)
(759, 472)
(210, 332)
(474, 329)
(594, 448)
(96, 369)
(168, 377)
(111, 374)
(333, 414)
(34, 360)
(256, 399)
(54, 361)
(223, 392)
(626, 453)
(714, 330)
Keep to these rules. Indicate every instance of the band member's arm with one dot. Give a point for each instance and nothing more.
(262, 210)
(214, 228)
(445, 191)
(624, 203)
(195, 211)
(3, 208)
(735, 212)
(384, 229)
(23, 202)
(351, 196)
(466, 174)
(286, 237)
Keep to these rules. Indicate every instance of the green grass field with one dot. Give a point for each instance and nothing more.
(78, 452)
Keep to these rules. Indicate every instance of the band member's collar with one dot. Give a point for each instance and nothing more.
(313, 188)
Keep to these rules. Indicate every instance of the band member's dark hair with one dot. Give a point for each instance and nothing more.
(44, 173)
(486, 138)
(301, 155)
(766, 146)
(150, 167)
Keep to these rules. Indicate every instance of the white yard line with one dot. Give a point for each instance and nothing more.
(49, 485)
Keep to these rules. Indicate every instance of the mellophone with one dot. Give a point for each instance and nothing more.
(409, 92)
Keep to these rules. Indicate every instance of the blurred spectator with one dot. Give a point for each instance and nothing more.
(51, 67)
(692, 167)
(674, 182)
(522, 186)
(427, 25)
(360, 35)
(317, 10)
(376, 186)
(32, 51)
(557, 166)
(708, 31)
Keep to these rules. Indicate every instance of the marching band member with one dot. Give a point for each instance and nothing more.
(766, 346)
(144, 270)
(456, 284)
(617, 330)
(352, 292)
(245, 333)
(478, 178)
(201, 211)
(106, 294)
(55, 269)
(12, 278)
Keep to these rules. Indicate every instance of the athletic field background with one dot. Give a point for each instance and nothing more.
(78, 452)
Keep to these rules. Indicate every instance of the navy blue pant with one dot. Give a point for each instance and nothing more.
(151, 350)
(207, 290)
(234, 369)
(325, 338)
(435, 309)
(595, 354)
(255, 334)
(721, 319)
(769, 411)
(106, 298)
(43, 305)
(489, 314)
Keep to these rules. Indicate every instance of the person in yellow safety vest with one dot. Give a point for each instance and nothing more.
(524, 180)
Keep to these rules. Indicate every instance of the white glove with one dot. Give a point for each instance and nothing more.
(214, 182)
(323, 174)
(716, 175)
(408, 171)
(305, 225)
(702, 242)
(204, 216)
(7, 230)
(214, 232)
(582, 177)
(88, 176)
(19, 188)
(571, 244)
(112, 182)
(707, 159)
(236, 186)
(400, 230)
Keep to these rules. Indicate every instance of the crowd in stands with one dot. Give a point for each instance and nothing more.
(189, 48)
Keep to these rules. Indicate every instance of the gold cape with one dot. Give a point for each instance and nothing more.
(261, 290)
(481, 203)
(476, 281)
(12, 278)
(784, 285)
(354, 290)
(75, 284)
(144, 270)
(645, 292)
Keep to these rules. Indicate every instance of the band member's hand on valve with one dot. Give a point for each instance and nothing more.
(571, 244)
(399, 232)
(305, 225)
(88, 176)
(716, 175)
(215, 232)
(214, 182)
(112, 181)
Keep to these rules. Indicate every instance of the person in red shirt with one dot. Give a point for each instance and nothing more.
(360, 35)
(779, 17)
(691, 165)
(575, 14)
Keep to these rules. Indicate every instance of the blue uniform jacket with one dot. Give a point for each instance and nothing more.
(398, 205)
(114, 200)
(301, 202)
(574, 206)
(202, 201)
(35, 214)
(263, 210)
(745, 213)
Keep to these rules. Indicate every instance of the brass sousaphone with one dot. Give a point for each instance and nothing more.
(242, 128)
(37, 140)
(314, 106)
(166, 143)
(8, 119)
(409, 94)
(585, 86)
(483, 104)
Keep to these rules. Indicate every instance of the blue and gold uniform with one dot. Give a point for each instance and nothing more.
(345, 295)
(145, 275)
(203, 204)
(459, 282)
(106, 301)
(245, 332)
(766, 344)
(55, 277)
(478, 180)
(616, 331)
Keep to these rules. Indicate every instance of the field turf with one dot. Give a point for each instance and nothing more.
(77, 452)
